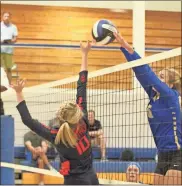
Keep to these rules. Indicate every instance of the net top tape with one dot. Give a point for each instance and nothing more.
(116, 68)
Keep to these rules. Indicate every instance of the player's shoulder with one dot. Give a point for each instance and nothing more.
(175, 96)
(84, 120)
(28, 134)
(13, 25)
(176, 92)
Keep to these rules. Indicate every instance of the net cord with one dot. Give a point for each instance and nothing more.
(116, 68)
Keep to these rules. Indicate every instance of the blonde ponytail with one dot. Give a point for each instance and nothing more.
(177, 85)
(175, 79)
(70, 114)
(66, 135)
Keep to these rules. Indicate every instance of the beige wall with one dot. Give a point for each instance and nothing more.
(63, 25)
(150, 5)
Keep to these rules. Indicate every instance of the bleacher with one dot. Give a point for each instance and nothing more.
(41, 65)
(114, 168)
(145, 157)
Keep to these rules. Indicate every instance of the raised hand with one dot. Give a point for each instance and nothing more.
(119, 38)
(19, 86)
(123, 42)
(86, 48)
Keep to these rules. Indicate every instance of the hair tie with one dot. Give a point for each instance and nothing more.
(65, 121)
(71, 125)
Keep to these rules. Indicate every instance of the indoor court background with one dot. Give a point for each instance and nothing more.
(66, 26)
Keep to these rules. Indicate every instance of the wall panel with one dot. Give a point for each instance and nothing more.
(66, 25)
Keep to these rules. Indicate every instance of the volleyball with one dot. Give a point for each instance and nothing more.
(102, 32)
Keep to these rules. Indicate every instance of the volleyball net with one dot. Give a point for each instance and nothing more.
(120, 105)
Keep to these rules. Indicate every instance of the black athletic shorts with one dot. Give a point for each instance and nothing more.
(169, 161)
(88, 178)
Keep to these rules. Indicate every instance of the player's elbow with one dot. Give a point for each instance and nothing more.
(142, 71)
(27, 122)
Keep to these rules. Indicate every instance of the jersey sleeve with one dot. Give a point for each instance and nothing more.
(147, 77)
(25, 138)
(39, 128)
(81, 97)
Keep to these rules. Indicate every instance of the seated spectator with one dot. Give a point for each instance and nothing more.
(1, 107)
(38, 147)
(127, 155)
(54, 123)
(4, 87)
(133, 172)
(9, 34)
(96, 134)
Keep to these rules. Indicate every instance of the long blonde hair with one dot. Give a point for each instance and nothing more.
(69, 114)
(175, 79)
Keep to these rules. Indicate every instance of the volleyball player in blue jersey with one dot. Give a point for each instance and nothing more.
(163, 115)
(71, 139)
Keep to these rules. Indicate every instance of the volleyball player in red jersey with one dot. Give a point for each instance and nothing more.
(71, 139)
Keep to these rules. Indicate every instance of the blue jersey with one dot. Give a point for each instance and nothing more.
(163, 108)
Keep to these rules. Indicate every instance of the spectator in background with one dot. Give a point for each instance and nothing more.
(96, 134)
(133, 172)
(54, 123)
(4, 87)
(1, 107)
(180, 100)
(38, 147)
(9, 35)
(127, 155)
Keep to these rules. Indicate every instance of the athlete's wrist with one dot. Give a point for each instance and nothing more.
(19, 92)
(130, 50)
(84, 54)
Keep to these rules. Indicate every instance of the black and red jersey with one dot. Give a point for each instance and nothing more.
(73, 160)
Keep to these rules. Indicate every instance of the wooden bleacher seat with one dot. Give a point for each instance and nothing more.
(40, 65)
